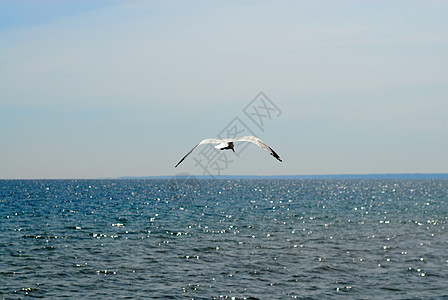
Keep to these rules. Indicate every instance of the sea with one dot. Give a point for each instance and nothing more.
(224, 239)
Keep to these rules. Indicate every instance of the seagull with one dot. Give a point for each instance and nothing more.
(227, 144)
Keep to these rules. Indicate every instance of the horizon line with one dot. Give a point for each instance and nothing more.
(417, 175)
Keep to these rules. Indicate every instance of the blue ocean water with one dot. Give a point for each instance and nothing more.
(224, 239)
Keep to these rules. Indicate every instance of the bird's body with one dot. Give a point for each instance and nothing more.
(228, 144)
(225, 145)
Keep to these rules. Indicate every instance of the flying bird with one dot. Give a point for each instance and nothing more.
(227, 144)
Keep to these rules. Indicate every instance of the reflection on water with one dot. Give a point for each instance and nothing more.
(224, 238)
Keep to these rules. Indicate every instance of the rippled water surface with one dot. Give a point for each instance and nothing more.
(212, 239)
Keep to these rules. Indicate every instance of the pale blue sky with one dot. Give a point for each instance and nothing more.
(93, 89)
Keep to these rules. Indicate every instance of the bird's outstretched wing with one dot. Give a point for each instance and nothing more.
(259, 143)
(206, 141)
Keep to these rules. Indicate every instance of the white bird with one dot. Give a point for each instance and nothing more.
(227, 144)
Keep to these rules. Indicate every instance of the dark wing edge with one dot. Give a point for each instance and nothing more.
(272, 152)
(186, 155)
(260, 144)
(206, 141)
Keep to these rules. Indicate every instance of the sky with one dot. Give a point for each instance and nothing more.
(95, 89)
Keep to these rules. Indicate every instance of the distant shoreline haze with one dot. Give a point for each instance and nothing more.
(338, 176)
(184, 176)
